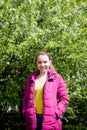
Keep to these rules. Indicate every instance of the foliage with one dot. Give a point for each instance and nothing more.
(59, 27)
(74, 127)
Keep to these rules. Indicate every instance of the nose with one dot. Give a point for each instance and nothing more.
(42, 64)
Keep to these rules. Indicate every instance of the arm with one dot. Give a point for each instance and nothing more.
(25, 100)
(62, 96)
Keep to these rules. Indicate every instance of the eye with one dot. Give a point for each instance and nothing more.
(45, 61)
(39, 62)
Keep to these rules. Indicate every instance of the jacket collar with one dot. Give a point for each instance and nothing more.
(51, 74)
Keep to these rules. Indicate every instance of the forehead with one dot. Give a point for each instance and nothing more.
(42, 57)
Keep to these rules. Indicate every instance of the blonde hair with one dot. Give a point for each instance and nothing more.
(48, 55)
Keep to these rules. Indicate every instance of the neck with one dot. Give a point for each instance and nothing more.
(43, 74)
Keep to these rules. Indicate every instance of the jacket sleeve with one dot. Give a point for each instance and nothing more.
(25, 98)
(62, 97)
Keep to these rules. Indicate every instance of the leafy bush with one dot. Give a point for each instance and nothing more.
(74, 127)
(58, 27)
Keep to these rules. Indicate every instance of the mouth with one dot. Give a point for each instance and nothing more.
(43, 69)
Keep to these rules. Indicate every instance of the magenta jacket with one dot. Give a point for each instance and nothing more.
(55, 100)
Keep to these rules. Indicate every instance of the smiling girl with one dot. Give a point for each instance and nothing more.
(45, 96)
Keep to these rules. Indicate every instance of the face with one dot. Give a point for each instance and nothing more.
(43, 63)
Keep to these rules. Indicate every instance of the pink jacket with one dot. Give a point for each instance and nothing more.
(55, 100)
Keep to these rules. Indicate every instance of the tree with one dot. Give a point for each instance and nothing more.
(58, 27)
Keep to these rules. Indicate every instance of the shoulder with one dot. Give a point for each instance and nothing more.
(57, 75)
(33, 75)
(53, 72)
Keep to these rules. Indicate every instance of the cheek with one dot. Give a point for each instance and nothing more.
(47, 65)
(38, 66)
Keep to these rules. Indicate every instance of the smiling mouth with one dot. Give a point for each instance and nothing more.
(43, 68)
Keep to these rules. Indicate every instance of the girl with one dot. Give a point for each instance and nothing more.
(45, 96)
